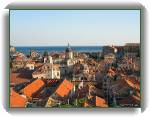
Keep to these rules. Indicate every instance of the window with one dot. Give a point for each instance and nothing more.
(57, 73)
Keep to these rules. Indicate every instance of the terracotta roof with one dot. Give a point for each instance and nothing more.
(86, 104)
(17, 100)
(100, 102)
(19, 58)
(33, 87)
(111, 72)
(15, 78)
(133, 83)
(64, 88)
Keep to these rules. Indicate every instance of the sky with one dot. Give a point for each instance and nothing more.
(77, 27)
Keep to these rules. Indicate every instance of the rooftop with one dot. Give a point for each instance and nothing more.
(17, 100)
(100, 102)
(33, 87)
(64, 88)
(47, 66)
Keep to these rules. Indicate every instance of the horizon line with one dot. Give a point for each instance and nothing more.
(72, 45)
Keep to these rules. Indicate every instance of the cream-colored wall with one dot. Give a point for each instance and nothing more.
(38, 76)
(30, 66)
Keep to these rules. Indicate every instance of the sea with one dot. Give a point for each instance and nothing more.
(50, 49)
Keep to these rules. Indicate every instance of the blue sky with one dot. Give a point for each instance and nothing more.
(78, 27)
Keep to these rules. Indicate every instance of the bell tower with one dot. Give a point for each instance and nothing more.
(69, 52)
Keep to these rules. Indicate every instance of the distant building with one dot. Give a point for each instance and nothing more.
(47, 71)
(120, 51)
(80, 71)
(30, 65)
(12, 49)
(106, 86)
(107, 50)
(131, 54)
(69, 61)
(69, 52)
(34, 54)
(132, 48)
(48, 59)
(109, 58)
(85, 69)
(18, 63)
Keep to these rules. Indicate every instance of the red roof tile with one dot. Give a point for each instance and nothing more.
(86, 104)
(100, 102)
(33, 87)
(64, 88)
(19, 58)
(17, 100)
